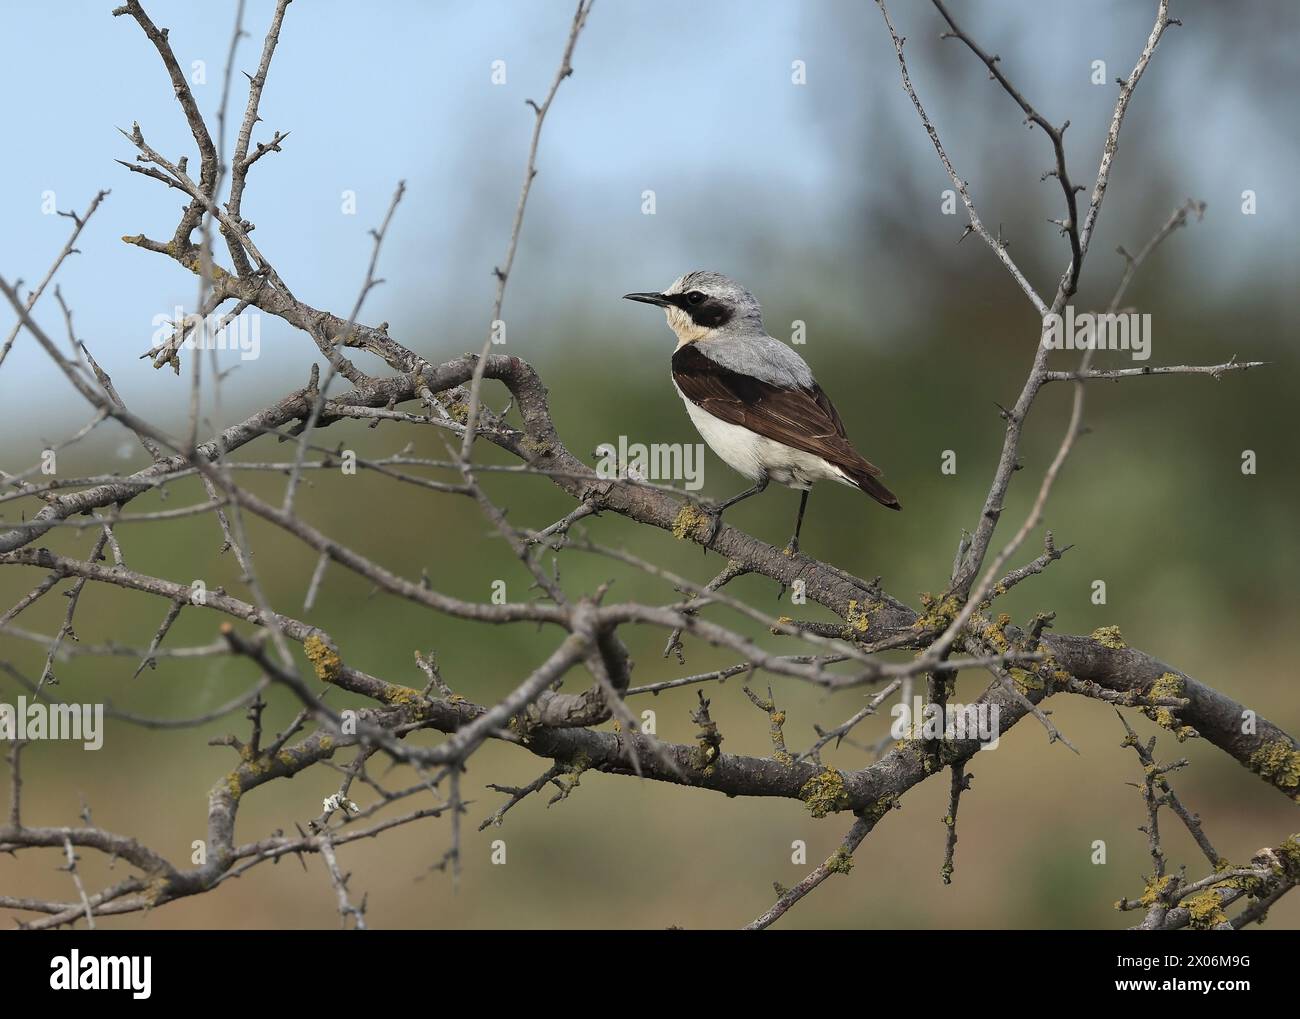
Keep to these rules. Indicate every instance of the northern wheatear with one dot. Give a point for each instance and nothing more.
(753, 399)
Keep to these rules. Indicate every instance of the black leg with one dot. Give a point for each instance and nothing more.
(798, 522)
(794, 542)
(758, 487)
(716, 512)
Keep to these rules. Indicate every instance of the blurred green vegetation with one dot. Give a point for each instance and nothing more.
(1198, 561)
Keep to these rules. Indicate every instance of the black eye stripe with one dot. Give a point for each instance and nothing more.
(710, 313)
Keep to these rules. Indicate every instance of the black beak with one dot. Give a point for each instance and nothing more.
(656, 299)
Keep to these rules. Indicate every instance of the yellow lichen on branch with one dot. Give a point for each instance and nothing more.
(324, 659)
(1168, 687)
(690, 520)
(1109, 636)
(1279, 762)
(825, 793)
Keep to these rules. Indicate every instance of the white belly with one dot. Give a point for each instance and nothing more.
(755, 455)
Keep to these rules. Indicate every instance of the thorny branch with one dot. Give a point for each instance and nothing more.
(538, 716)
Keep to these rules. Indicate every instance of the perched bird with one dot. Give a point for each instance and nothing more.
(753, 399)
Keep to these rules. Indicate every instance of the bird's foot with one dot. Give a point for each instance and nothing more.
(714, 513)
(715, 525)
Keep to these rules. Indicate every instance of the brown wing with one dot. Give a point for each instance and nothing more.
(803, 418)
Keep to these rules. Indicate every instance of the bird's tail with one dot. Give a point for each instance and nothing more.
(867, 478)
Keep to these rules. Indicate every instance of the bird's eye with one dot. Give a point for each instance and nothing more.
(694, 297)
